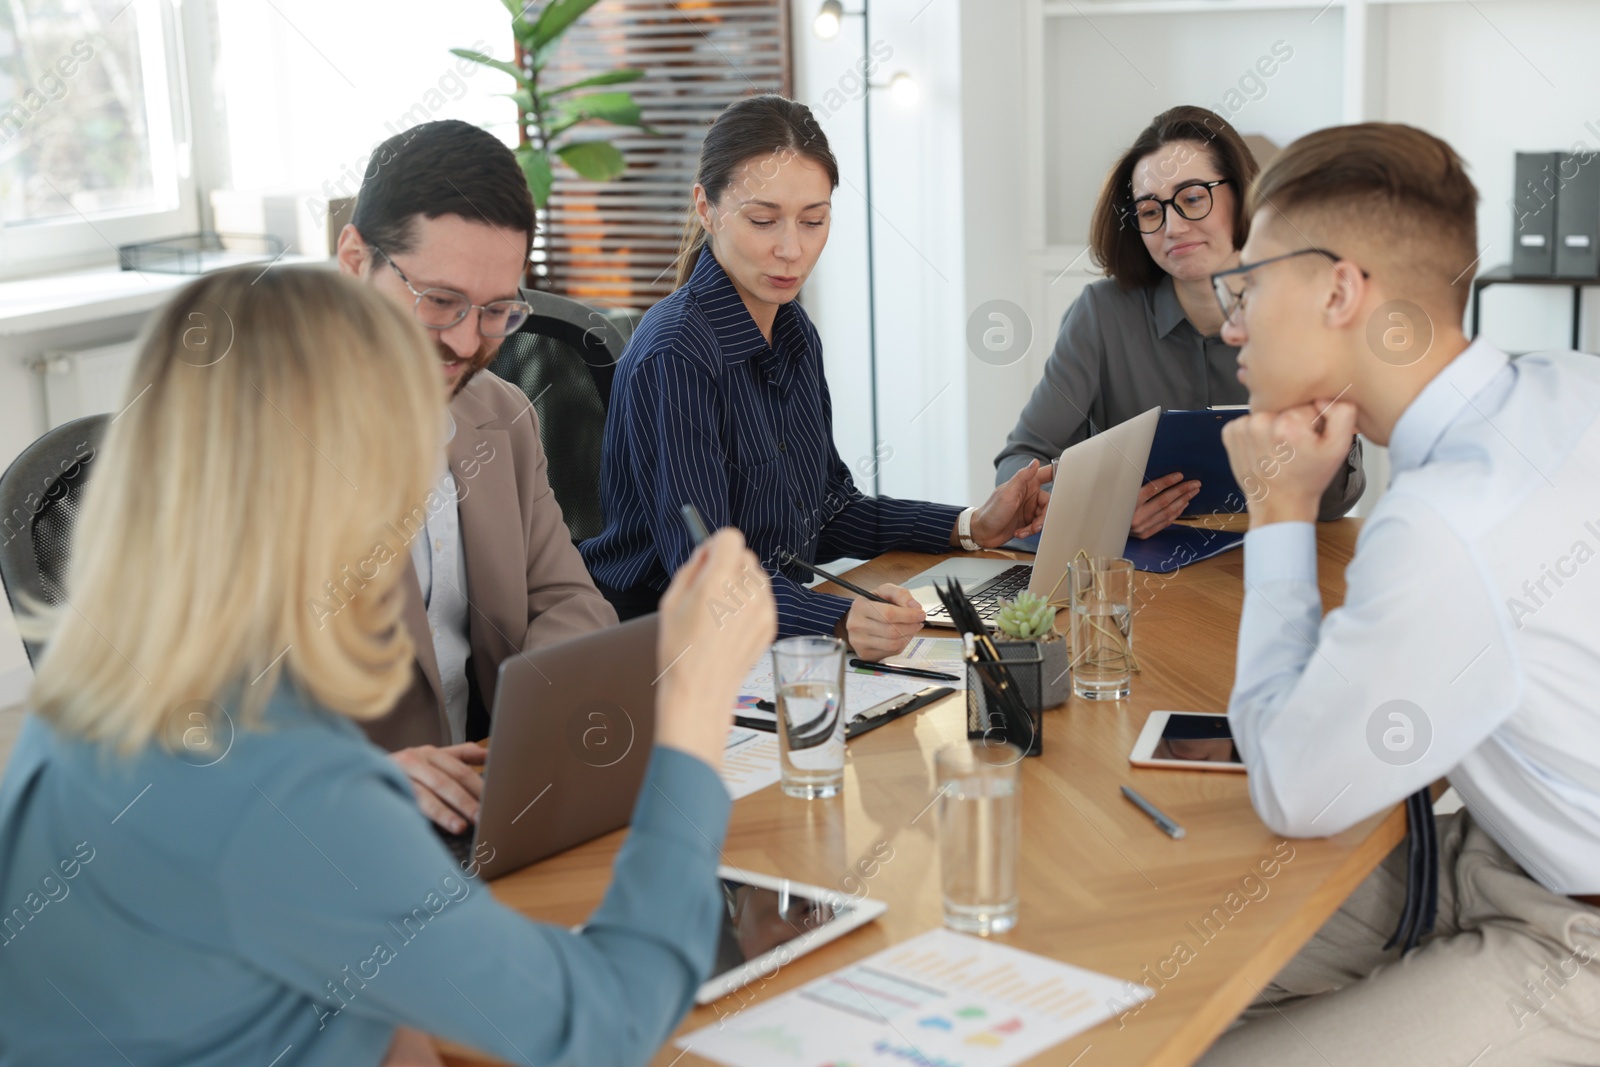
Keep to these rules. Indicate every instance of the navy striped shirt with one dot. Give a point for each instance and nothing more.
(705, 412)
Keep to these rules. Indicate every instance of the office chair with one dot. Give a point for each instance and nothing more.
(41, 495)
(564, 358)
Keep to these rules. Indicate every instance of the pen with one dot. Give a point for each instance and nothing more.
(910, 672)
(768, 725)
(697, 526)
(790, 557)
(1172, 829)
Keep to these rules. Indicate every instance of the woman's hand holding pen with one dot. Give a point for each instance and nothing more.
(706, 656)
(1015, 509)
(878, 631)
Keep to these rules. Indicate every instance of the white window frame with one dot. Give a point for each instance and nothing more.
(29, 249)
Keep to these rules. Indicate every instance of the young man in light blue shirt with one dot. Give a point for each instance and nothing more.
(1468, 645)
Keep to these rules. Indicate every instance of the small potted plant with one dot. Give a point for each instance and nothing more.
(1030, 621)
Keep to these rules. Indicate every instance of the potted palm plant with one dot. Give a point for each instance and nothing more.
(561, 120)
(1028, 625)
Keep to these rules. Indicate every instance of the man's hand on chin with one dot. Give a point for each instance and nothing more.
(1284, 460)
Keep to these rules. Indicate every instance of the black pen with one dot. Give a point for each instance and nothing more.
(909, 672)
(697, 526)
(790, 557)
(768, 725)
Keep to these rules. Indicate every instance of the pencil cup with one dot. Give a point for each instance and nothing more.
(980, 830)
(808, 677)
(1101, 595)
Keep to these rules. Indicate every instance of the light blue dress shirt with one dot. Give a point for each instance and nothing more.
(1469, 640)
(287, 905)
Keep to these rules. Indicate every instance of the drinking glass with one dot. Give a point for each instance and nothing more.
(980, 830)
(808, 678)
(1101, 595)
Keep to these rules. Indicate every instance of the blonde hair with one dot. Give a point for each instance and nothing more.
(276, 426)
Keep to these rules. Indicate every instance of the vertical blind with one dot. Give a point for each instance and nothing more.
(615, 244)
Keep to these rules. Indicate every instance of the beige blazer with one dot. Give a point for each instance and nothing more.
(526, 584)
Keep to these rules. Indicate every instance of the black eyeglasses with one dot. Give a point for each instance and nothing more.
(440, 309)
(1193, 202)
(1229, 285)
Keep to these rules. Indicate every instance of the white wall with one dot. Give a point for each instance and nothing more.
(918, 242)
(1493, 79)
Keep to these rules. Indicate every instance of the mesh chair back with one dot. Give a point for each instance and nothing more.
(41, 496)
(564, 358)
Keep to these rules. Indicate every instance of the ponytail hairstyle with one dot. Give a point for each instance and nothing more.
(747, 129)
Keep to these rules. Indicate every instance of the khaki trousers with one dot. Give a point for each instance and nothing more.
(1509, 976)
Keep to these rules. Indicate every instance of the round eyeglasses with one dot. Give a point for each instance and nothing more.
(1193, 202)
(440, 309)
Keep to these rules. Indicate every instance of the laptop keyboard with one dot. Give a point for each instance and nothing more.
(1003, 586)
(460, 845)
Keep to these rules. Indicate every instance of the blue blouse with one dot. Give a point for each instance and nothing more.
(704, 411)
(288, 905)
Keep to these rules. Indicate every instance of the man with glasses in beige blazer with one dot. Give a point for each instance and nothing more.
(443, 225)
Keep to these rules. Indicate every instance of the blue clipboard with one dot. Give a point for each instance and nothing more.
(1191, 442)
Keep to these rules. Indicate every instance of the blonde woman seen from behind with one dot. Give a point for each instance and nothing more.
(205, 856)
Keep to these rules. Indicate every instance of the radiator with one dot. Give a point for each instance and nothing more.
(87, 381)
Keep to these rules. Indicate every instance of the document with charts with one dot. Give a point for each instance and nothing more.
(941, 999)
(749, 761)
(865, 689)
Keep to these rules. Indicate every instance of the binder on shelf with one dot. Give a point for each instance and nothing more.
(1533, 229)
(1577, 251)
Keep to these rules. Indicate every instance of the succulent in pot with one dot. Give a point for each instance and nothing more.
(1030, 621)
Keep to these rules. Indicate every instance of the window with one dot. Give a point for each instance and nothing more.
(615, 244)
(93, 136)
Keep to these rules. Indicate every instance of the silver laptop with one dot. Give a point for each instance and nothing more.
(570, 740)
(1093, 497)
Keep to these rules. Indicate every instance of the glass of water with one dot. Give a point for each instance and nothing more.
(980, 830)
(808, 677)
(1101, 592)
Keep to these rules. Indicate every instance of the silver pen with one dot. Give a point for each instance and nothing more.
(1171, 828)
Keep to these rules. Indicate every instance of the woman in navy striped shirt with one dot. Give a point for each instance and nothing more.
(720, 401)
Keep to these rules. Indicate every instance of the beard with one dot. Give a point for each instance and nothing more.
(475, 363)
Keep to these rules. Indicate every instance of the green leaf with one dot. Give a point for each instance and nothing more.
(522, 97)
(536, 168)
(596, 160)
(520, 26)
(543, 53)
(498, 64)
(610, 77)
(556, 17)
(618, 108)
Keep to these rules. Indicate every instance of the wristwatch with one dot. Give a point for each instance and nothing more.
(964, 531)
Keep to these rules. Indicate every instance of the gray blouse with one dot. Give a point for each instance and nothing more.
(1121, 352)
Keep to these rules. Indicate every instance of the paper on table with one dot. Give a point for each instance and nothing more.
(749, 761)
(862, 689)
(934, 654)
(940, 998)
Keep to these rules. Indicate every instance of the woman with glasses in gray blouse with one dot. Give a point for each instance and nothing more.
(1171, 214)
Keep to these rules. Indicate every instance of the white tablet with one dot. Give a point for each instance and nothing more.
(1189, 740)
(766, 922)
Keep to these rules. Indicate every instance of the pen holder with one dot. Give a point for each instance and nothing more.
(986, 717)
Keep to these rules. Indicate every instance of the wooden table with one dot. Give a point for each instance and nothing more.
(1101, 887)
